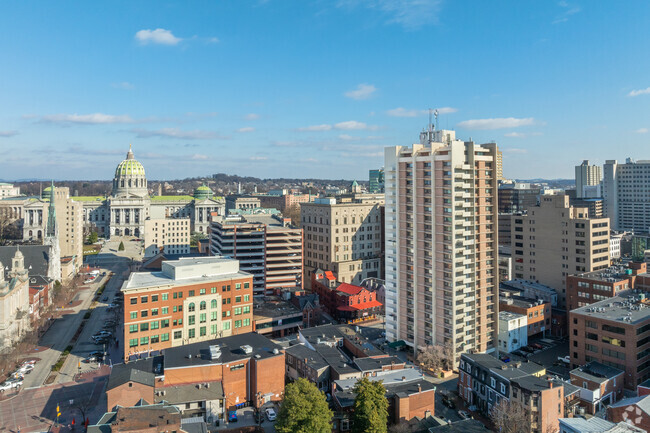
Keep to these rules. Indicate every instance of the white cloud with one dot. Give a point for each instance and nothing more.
(88, 119)
(347, 137)
(496, 123)
(246, 129)
(252, 116)
(124, 85)
(638, 131)
(410, 14)
(199, 157)
(349, 125)
(568, 10)
(403, 112)
(5, 134)
(213, 40)
(515, 134)
(645, 91)
(353, 125)
(316, 128)
(363, 91)
(258, 158)
(158, 36)
(178, 133)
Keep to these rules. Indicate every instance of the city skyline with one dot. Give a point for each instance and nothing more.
(265, 89)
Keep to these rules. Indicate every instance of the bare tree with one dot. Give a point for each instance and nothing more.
(510, 417)
(401, 427)
(293, 212)
(436, 358)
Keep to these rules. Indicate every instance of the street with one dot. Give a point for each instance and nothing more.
(33, 408)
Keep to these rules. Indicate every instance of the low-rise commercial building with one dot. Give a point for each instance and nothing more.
(267, 246)
(145, 418)
(600, 385)
(204, 379)
(190, 300)
(513, 331)
(347, 303)
(167, 236)
(275, 317)
(595, 425)
(589, 287)
(633, 410)
(614, 332)
(537, 312)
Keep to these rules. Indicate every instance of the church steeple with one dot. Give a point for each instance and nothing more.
(51, 230)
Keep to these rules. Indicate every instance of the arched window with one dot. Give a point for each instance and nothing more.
(40, 234)
(213, 303)
(202, 305)
(122, 183)
(129, 183)
(190, 307)
(30, 234)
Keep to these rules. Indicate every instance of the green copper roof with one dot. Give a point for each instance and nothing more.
(202, 192)
(129, 167)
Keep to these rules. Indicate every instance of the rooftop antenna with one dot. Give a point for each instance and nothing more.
(431, 127)
(435, 113)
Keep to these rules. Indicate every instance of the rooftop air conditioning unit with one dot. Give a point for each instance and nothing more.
(246, 349)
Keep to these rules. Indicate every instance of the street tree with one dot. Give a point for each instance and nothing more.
(92, 237)
(436, 358)
(370, 407)
(304, 409)
(510, 417)
(121, 246)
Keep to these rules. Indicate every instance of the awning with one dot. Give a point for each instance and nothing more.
(397, 344)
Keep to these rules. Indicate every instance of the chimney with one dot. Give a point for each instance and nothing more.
(403, 377)
(419, 388)
(550, 384)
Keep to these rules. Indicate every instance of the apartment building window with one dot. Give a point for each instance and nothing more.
(191, 307)
(178, 334)
(133, 328)
(134, 301)
(191, 320)
(202, 305)
(154, 298)
(191, 293)
(144, 313)
(134, 315)
(192, 333)
(202, 291)
(237, 324)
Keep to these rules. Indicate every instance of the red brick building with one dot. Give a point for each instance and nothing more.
(206, 379)
(589, 287)
(633, 410)
(537, 312)
(345, 302)
(600, 385)
(190, 300)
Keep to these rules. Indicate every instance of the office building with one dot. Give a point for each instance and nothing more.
(588, 178)
(275, 317)
(625, 190)
(267, 246)
(516, 196)
(614, 332)
(376, 181)
(8, 190)
(241, 202)
(441, 243)
(167, 236)
(344, 235)
(537, 311)
(554, 240)
(283, 199)
(190, 300)
(586, 288)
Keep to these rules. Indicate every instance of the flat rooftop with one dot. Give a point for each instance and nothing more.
(525, 284)
(271, 221)
(389, 378)
(507, 315)
(185, 271)
(273, 307)
(629, 307)
(613, 274)
(596, 372)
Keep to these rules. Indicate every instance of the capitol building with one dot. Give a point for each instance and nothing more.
(124, 212)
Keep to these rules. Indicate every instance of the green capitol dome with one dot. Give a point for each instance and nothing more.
(129, 167)
(203, 192)
(130, 180)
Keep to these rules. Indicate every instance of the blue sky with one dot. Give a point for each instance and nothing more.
(317, 88)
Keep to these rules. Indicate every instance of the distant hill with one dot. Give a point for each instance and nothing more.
(553, 183)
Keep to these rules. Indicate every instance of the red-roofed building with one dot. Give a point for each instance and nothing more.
(345, 302)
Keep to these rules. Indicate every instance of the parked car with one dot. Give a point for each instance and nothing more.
(537, 346)
(270, 414)
(463, 414)
(105, 298)
(26, 369)
(93, 358)
(449, 403)
(96, 353)
(564, 359)
(9, 385)
(232, 416)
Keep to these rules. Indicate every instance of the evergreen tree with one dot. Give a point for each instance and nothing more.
(92, 237)
(370, 407)
(121, 247)
(303, 410)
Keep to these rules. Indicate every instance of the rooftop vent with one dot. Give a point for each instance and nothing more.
(246, 349)
(215, 352)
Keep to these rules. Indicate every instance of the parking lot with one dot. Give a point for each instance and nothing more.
(546, 352)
